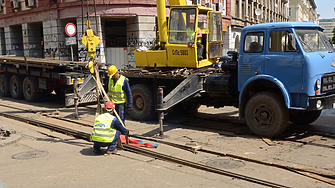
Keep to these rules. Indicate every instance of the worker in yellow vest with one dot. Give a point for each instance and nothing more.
(118, 89)
(107, 130)
(200, 48)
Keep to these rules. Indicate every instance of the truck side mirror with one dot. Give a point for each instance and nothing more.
(292, 42)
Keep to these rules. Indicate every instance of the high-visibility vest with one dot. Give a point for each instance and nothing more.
(191, 35)
(199, 39)
(115, 92)
(102, 131)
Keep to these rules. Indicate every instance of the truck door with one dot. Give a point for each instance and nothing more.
(251, 58)
(215, 38)
(181, 35)
(283, 61)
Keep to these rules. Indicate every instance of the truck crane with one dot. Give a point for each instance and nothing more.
(284, 71)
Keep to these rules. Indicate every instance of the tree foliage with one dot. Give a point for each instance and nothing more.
(333, 39)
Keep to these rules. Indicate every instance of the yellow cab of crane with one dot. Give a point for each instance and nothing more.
(177, 46)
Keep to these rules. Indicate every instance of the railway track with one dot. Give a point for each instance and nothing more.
(142, 151)
(294, 133)
(219, 123)
(324, 177)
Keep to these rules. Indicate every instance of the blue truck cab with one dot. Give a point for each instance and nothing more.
(286, 73)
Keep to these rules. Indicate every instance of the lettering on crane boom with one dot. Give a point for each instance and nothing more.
(79, 80)
(179, 52)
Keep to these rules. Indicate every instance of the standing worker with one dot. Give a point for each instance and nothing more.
(107, 130)
(119, 91)
(200, 48)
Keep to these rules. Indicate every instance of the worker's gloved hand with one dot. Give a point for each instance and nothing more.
(101, 98)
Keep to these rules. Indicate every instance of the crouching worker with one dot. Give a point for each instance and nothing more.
(106, 131)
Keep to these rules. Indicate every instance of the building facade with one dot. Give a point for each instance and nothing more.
(248, 12)
(329, 26)
(303, 10)
(36, 28)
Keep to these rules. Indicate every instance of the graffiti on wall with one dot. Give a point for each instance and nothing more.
(51, 38)
(60, 50)
(17, 46)
(139, 44)
(148, 41)
(83, 54)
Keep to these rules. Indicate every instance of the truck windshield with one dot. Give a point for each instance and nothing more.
(313, 40)
(182, 25)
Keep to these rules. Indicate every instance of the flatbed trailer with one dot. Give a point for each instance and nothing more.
(30, 78)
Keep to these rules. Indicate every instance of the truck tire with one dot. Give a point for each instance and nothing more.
(304, 117)
(4, 85)
(143, 103)
(266, 114)
(15, 87)
(29, 91)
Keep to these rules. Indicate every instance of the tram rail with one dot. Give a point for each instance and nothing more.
(321, 176)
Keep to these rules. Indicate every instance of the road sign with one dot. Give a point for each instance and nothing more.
(70, 29)
(70, 41)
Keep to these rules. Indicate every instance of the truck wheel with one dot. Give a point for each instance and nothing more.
(304, 117)
(4, 86)
(29, 91)
(186, 107)
(266, 115)
(143, 103)
(15, 87)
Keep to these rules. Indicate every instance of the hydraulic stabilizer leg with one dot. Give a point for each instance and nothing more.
(160, 111)
(76, 98)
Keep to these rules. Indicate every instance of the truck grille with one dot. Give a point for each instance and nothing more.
(328, 82)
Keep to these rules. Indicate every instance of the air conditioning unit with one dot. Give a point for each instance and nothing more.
(196, 2)
(29, 3)
(213, 6)
(210, 5)
(15, 4)
(219, 7)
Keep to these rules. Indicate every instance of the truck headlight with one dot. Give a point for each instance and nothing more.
(317, 87)
(318, 104)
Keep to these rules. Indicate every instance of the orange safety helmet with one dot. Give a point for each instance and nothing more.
(112, 70)
(109, 106)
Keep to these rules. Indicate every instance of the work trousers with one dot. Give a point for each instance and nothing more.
(111, 146)
(120, 109)
(200, 49)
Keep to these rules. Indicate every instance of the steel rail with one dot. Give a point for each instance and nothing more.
(169, 158)
(187, 148)
(226, 120)
(278, 165)
(51, 126)
(143, 151)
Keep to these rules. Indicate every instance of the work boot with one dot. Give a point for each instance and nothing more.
(115, 152)
(97, 152)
